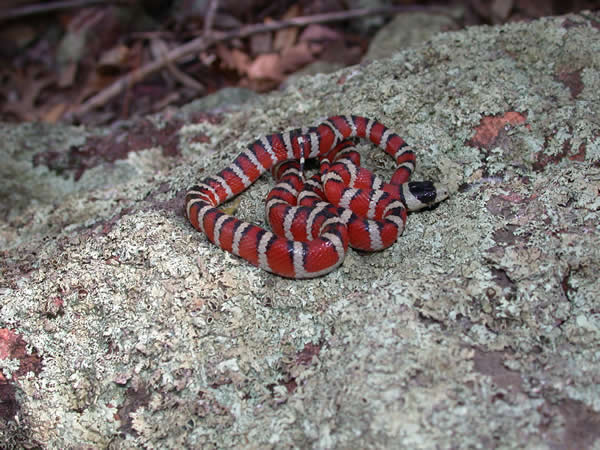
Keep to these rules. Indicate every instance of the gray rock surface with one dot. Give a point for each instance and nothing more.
(122, 327)
(407, 30)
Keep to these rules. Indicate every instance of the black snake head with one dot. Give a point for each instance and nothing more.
(421, 194)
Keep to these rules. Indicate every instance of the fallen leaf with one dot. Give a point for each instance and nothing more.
(266, 66)
(54, 113)
(286, 37)
(241, 60)
(261, 43)
(67, 74)
(114, 60)
(296, 57)
(29, 83)
(501, 9)
(95, 83)
(233, 59)
(316, 32)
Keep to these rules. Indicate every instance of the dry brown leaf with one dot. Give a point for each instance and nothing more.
(338, 52)
(259, 85)
(296, 57)
(113, 60)
(233, 59)
(224, 55)
(241, 60)
(54, 113)
(481, 7)
(28, 85)
(95, 83)
(266, 66)
(66, 77)
(536, 8)
(317, 32)
(501, 9)
(286, 37)
(261, 43)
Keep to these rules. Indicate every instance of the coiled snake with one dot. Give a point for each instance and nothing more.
(313, 220)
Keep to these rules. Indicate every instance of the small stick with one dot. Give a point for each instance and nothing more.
(41, 8)
(209, 18)
(159, 48)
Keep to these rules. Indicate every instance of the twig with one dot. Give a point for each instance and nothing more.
(202, 43)
(41, 8)
(209, 18)
(159, 49)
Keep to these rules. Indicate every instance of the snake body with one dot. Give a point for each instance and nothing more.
(315, 220)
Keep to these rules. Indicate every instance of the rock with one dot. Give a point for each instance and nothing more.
(407, 30)
(478, 328)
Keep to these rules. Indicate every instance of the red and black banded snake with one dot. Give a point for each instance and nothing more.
(313, 220)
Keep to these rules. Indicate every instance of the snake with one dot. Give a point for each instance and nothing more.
(313, 220)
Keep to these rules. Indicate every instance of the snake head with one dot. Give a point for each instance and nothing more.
(421, 194)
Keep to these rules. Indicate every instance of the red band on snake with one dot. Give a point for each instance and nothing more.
(313, 221)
